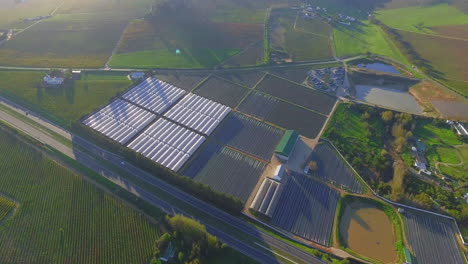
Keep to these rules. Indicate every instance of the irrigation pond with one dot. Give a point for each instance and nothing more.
(368, 231)
(393, 98)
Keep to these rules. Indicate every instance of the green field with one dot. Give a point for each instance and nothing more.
(184, 39)
(360, 139)
(443, 154)
(80, 34)
(360, 39)
(168, 58)
(458, 172)
(11, 12)
(62, 218)
(5, 207)
(432, 134)
(63, 105)
(301, 39)
(447, 58)
(71, 40)
(422, 18)
(232, 13)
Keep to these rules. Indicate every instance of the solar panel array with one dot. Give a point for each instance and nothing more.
(198, 113)
(120, 120)
(154, 94)
(167, 143)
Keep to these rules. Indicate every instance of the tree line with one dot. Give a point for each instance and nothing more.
(197, 189)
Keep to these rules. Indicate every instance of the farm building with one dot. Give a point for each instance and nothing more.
(278, 175)
(286, 145)
(49, 80)
(267, 197)
(137, 75)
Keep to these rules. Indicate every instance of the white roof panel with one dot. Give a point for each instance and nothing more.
(119, 120)
(167, 143)
(198, 113)
(154, 94)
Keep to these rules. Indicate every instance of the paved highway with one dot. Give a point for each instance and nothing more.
(89, 161)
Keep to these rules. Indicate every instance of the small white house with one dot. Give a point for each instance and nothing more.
(137, 75)
(53, 80)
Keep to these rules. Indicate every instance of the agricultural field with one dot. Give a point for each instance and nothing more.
(66, 40)
(360, 39)
(299, 74)
(248, 79)
(300, 39)
(248, 135)
(221, 91)
(278, 112)
(238, 11)
(457, 31)
(306, 97)
(306, 208)
(457, 171)
(183, 38)
(432, 239)
(366, 229)
(444, 154)
(422, 19)
(250, 56)
(332, 168)
(360, 141)
(435, 134)
(225, 170)
(438, 100)
(55, 215)
(6, 207)
(63, 105)
(12, 12)
(185, 81)
(446, 58)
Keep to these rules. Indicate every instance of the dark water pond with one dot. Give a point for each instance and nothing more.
(377, 66)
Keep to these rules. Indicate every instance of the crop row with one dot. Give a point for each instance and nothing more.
(226, 170)
(332, 168)
(297, 94)
(218, 90)
(63, 218)
(283, 114)
(5, 207)
(185, 81)
(248, 135)
(306, 208)
(249, 78)
(432, 238)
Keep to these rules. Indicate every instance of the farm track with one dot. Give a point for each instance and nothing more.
(93, 163)
(432, 35)
(206, 70)
(462, 160)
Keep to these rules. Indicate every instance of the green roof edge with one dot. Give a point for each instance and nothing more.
(286, 144)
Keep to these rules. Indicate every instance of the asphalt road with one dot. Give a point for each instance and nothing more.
(89, 161)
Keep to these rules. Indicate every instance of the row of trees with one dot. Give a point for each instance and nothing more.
(199, 190)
